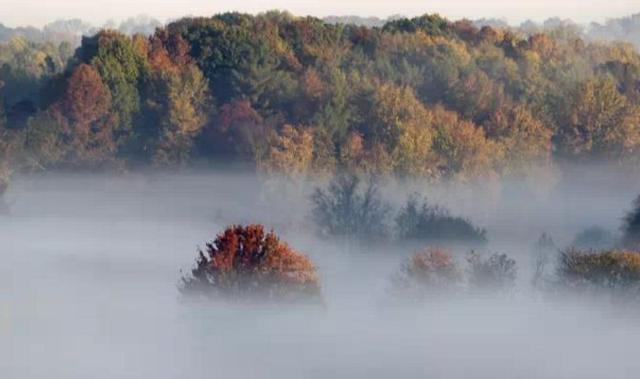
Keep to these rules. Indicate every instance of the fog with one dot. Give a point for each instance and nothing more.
(38, 13)
(89, 266)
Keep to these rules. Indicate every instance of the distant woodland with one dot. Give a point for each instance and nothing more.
(424, 97)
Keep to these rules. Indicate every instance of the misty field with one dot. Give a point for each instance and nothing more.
(91, 267)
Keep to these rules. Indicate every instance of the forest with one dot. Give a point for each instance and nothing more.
(268, 195)
(422, 97)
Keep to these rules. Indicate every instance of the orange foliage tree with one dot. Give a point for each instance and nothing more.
(240, 131)
(84, 113)
(602, 123)
(244, 262)
(462, 147)
(403, 123)
(427, 273)
(291, 152)
(524, 139)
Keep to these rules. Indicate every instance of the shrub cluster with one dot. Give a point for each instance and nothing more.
(614, 270)
(498, 272)
(427, 273)
(244, 262)
(349, 207)
(434, 272)
(422, 221)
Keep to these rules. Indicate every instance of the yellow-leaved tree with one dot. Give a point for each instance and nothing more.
(601, 123)
(403, 125)
(291, 152)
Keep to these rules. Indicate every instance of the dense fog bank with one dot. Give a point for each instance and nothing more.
(90, 266)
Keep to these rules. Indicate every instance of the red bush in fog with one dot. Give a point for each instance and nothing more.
(429, 272)
(245, 262)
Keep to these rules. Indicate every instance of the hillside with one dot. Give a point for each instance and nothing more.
(417, 97)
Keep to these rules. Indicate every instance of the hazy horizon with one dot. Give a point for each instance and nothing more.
(37, 13)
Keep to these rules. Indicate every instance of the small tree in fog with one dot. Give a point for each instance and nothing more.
(427, 273)
(594, 237)
(244, 262)
(631, 226)
(422, 221)
(543, 250)
(348, 207)
(496, 273)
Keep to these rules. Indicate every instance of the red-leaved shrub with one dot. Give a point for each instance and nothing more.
(245, 263)
(427, 273)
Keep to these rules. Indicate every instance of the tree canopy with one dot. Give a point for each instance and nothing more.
(415, 97)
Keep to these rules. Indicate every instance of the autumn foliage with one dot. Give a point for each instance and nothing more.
(434, 272)
(419, 97)
(246, 263)
(617, 271)
(84, 116)
(428, 273)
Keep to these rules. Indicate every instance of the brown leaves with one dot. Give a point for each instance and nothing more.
(463, 149)
(246, 262)
(601, 123)
(238, 113)
(312, 85)
(86, 99)
(168, 52)
(404, 126)
(291, 152)
(433, 272)
(240, 130)
(433, 264)
(524, 139)
(430, 272)
(616, 270)
(85, 116)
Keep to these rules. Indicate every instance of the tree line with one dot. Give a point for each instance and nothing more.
(416, 97)
(247, 263)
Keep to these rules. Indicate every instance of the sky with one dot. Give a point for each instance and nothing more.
(39, 12)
